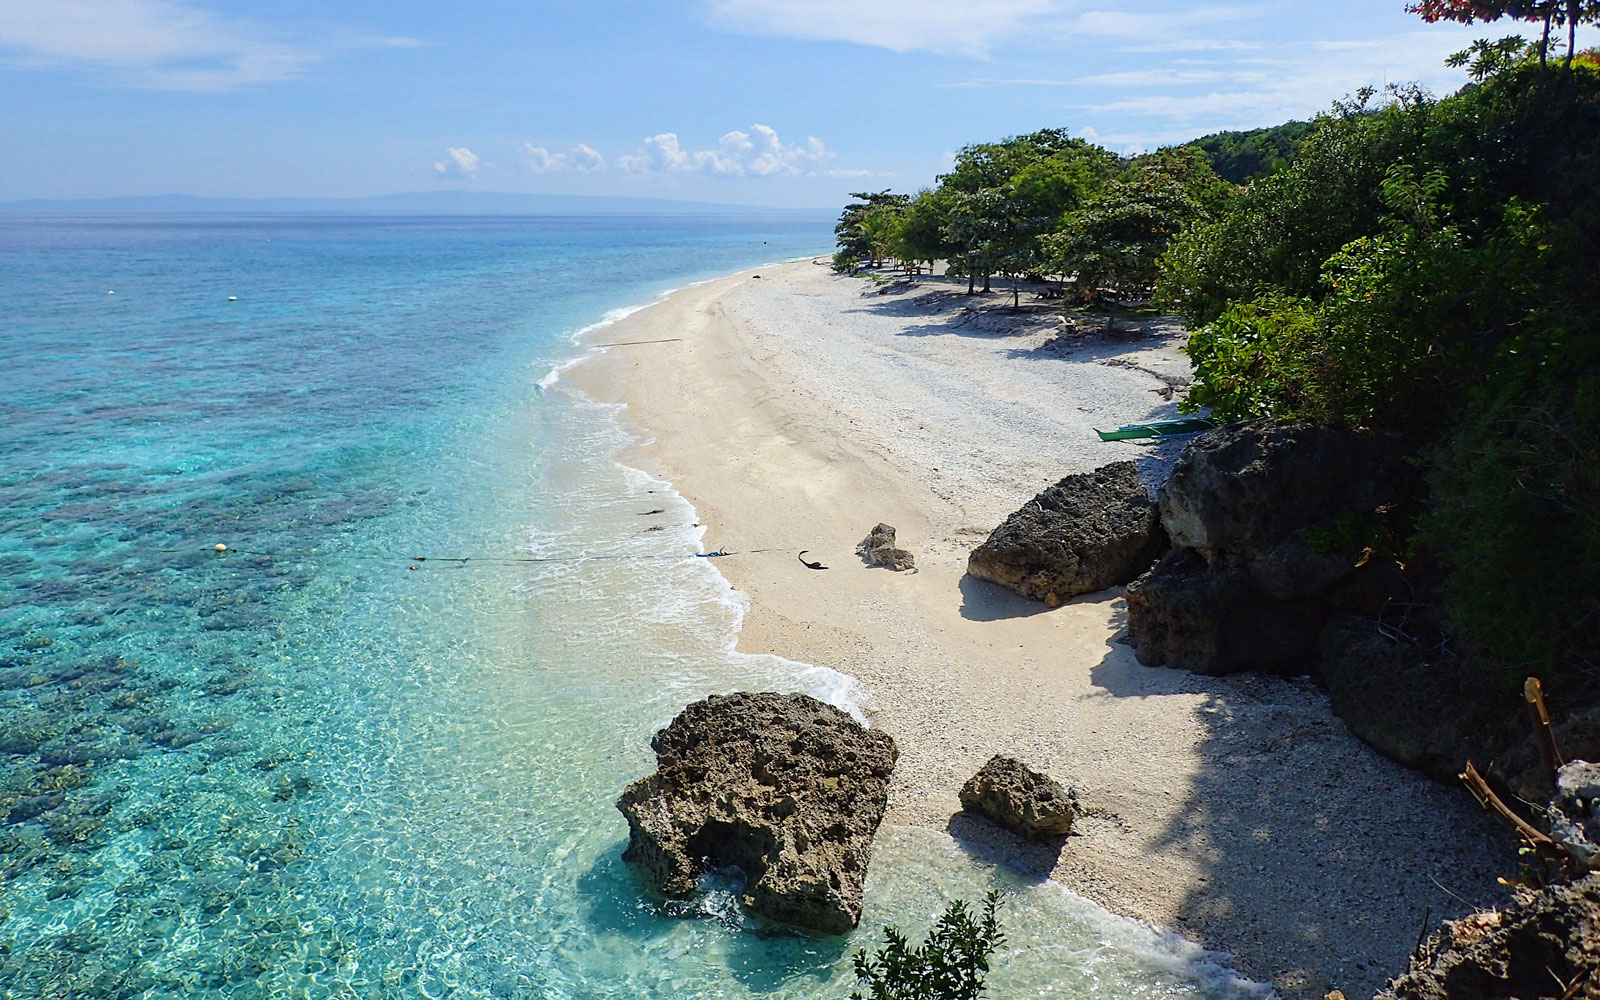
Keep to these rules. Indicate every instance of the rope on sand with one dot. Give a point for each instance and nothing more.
(485, 560)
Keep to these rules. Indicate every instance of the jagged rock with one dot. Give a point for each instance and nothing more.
(1021, 799)
(1543, 943)
(1086, 533)
(1573, 818)
(1424, 714)
(785, 788)
(1522, 767)
(1282, 500)
(1185, 614)
(878, 549)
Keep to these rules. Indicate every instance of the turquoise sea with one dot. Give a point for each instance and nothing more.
(314, 766)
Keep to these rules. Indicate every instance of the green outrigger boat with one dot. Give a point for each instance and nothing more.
(1158, 428)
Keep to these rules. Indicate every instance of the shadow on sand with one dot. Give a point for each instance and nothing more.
(982, 601)
(1317, 857)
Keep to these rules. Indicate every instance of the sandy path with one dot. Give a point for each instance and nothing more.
(799, 412)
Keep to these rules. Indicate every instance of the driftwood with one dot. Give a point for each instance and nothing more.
(1533, 693)
(1535, 837)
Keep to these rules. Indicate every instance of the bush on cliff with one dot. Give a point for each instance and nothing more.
(1433, 267)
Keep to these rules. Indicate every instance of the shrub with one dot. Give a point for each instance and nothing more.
(949, 965)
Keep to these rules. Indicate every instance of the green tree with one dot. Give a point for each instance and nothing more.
(1113, 246)
(922, 233)
(864, 226)
(949, 965)
(1238, 157)
(1004, 196)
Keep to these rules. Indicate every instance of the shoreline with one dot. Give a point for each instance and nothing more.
(802, 407)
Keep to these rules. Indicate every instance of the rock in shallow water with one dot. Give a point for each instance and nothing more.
(1021, 799)
(1086, 533)
(785, 788)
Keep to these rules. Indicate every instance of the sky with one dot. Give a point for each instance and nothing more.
(788, 103)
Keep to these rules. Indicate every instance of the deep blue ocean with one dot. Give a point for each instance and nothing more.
(316, 766)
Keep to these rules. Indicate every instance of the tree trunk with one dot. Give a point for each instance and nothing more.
(1544, 40)
(971, 280)
(986, 287)
(1014, 293)
(1572, 29)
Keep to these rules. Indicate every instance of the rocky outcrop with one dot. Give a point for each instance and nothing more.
(878, 549)
(1021, 799)
(1214, 620)
(1573, 817)
(1282, 501)
(1412, 709)
(1269, 523)
(1545, 944)
(781, 786)
(1522, 768)
(1086, 533)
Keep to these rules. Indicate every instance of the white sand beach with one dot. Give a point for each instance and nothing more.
(801, 408)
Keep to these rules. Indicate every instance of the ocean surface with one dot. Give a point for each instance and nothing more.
(373, 749)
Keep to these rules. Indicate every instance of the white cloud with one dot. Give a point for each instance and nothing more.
(457, 163)
(758, 152)
(582, 158)
(947, 27)
(160, 44)
(585, 159)
(1297, 82)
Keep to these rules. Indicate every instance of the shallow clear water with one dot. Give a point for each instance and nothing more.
(315, 767)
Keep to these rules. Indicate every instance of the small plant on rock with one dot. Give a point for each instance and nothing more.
(949, 965)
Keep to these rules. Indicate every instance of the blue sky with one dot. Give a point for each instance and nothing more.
(777, 102)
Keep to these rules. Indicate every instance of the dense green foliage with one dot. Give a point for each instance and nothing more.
(1240, 156)
(1433, 267)
(949, 965)
(1035, 205)
(866, 227)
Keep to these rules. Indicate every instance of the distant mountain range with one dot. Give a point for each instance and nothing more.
(414, 203)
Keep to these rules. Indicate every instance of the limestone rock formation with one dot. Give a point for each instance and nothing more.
(1574, 814)
(1188, 615)
(785, 788)
(1281, 500)
(1522, 767)
(1268, 523)
(878, 549)
(1086, 533)
(1419, 712)
(1021, 799)
(1545, 944)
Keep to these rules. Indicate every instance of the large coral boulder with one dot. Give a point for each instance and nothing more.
(1283, 501)
(1545, 944)
(1086, 533)
(1422, 712)
(785, 788)
(1188, 615)
(1021, 799)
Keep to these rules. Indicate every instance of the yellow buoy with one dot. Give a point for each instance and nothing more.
(220, 547)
